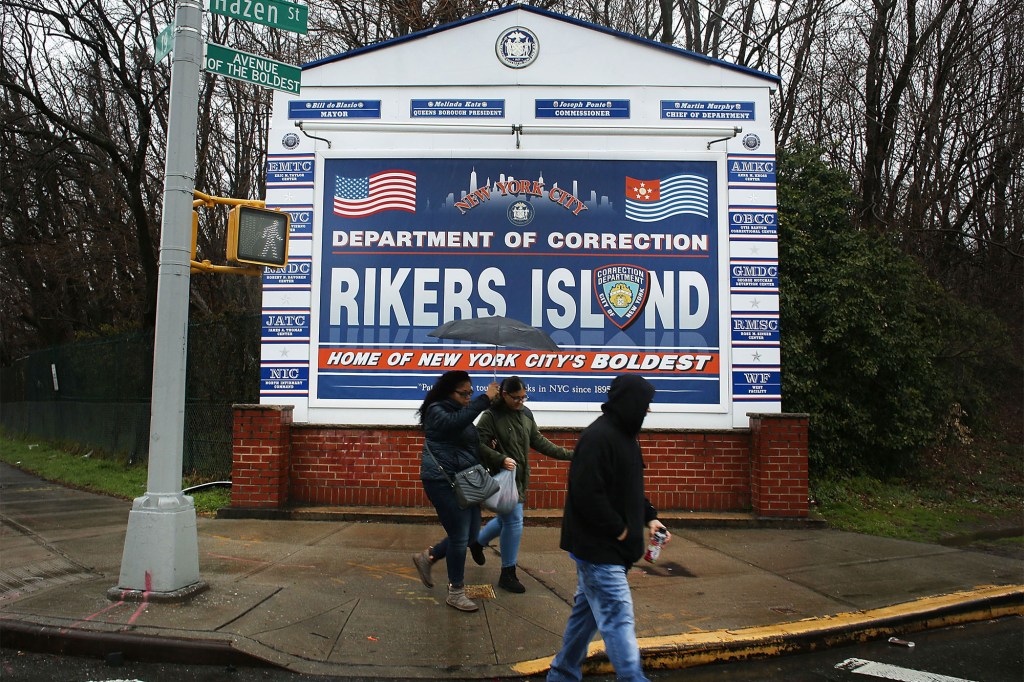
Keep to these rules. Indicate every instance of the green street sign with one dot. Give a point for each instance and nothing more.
(252, 68)
(288, 16)
(164, 43)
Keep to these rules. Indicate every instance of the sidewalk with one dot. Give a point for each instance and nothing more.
(341, 597)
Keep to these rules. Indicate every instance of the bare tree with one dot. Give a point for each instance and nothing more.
(79, 89)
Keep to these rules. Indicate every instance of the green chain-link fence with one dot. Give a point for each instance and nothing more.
(96, 393)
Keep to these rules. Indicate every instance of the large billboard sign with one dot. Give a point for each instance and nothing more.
(477, 170)
(619, 260)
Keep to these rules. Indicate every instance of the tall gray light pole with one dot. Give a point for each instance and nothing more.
(161, 549)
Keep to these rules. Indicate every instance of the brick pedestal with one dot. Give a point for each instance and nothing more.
(778, 457)
(261, 456)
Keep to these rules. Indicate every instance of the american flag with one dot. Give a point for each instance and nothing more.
(649, 201)
(390, 190)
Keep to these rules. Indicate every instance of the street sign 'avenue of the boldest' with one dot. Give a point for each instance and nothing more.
(288, 16)
(252, 68)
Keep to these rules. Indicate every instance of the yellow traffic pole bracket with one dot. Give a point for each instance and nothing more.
(208, 200)
(201, 199)
(207, 266)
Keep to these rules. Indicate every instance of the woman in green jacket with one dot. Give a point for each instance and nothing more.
(507, 432)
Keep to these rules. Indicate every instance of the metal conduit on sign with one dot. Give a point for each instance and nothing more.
(337, 126)
(719, 134)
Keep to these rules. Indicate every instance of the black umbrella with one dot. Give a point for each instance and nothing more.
(497, 330)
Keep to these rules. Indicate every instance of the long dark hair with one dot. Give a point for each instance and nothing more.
(442, 388)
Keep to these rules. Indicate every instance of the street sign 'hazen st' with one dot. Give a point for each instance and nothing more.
(288, 16)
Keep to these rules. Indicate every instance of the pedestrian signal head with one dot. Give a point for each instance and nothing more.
(258, 236)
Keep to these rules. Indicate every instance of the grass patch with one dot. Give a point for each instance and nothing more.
(972, 487)
(96, 472)
(924, 509)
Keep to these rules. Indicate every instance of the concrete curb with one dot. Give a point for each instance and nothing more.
(64, 641)
(701, 648)
(666, 652)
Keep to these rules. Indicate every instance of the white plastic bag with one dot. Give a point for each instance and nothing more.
(507, 497)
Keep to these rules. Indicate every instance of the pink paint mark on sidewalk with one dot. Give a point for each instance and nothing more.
(121, 602)
(91, 616)
(144, 604)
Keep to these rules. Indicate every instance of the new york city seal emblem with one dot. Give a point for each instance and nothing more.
(517, 47)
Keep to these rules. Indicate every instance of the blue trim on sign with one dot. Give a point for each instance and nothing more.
(551, 15)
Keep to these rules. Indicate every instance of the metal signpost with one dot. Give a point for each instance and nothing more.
(161, 548)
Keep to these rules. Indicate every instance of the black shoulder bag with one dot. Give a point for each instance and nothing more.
(472, 486)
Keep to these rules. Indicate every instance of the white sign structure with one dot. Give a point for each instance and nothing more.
(615, 192)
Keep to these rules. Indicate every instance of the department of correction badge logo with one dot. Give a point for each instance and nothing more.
(517, 47)
(520, 213)
(622, 292)
(290, 140)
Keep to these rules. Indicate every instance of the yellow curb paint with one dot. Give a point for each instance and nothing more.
(698, 648)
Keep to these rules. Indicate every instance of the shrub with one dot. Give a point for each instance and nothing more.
(875, 351)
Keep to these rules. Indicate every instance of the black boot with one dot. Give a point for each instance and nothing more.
(509, 581)
(477, 550)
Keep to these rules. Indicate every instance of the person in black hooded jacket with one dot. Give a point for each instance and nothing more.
(606, 512)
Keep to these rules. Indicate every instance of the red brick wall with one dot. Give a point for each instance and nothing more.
(762, 469)
(359, 466)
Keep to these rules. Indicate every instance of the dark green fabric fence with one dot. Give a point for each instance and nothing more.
(96, 393)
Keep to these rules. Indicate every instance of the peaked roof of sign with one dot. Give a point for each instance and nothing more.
(554, 15)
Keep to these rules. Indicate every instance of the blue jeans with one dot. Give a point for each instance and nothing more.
(603, 603)
(510, 527)
(459, 524)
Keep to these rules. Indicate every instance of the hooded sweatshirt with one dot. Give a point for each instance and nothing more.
(606, 483)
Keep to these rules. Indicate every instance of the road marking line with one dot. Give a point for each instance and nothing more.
(859, 666)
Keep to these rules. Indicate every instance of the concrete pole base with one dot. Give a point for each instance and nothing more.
(184, 594)
(161, 548)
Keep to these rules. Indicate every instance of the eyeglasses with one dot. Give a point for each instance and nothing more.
(465, 394)
(518, 398)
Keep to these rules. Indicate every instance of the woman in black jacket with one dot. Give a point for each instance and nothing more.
(449, 446)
